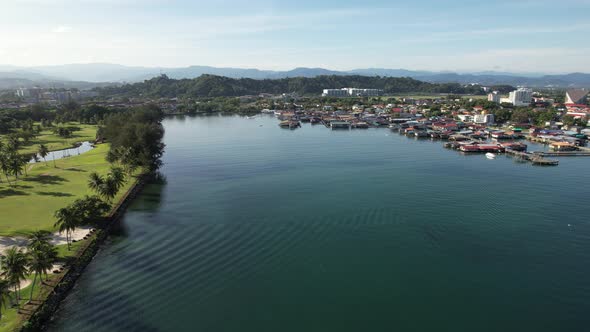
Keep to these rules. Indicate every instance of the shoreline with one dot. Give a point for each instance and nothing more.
(43, 313)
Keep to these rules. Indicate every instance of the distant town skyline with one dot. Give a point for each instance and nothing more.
(458, 35)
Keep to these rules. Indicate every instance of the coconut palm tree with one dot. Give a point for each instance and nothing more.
(68, 219)
(109, 189)
(4, 164)
(14, 269)
(25, 158)
(15, 165)
(117, 175)
(51, 254)
(43, 152)
(4, 294)
(40, 261)
(40, 241)
(95, 181)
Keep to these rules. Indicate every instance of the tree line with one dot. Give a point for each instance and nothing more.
(136, 143)
(12, 120)
(219, 86)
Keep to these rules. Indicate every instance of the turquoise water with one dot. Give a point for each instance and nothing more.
(258, 228)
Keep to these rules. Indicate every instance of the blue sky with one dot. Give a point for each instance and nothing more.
(457, 35)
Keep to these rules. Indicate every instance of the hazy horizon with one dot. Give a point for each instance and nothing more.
(457, 36)
(155, 67)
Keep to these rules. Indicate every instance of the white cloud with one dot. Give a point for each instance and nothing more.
(62, 29)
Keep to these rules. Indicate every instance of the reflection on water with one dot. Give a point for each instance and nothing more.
(60, 154)
(149, 202)
(260, 229)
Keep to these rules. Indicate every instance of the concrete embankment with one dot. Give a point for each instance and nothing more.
(37, 317)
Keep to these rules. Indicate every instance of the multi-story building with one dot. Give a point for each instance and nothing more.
(363, 92)
(484, 119)
(351, 92)
(521, 97)
(494, 97)
(54, 96)
(335, 93)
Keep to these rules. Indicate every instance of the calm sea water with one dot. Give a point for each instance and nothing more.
(263, 229)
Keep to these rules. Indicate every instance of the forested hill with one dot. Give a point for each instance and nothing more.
(219, 86)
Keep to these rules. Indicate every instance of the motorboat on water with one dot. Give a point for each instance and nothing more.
(490, 155)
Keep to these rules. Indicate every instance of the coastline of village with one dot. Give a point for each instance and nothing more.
(468, 131)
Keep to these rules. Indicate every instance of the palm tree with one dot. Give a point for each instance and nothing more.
(4, 293)
(39, 241)
(14, 269)
(24, 160)
(118, 177)
(109, 189)
(43, 152)
(50, 253)
(40, 261)
(4, 164)
(68, 219)
(15, 165)
(95, 182)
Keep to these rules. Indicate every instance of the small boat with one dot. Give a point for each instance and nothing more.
(490, 155)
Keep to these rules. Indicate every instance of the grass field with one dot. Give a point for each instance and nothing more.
(54, 142)
(10, 320)
(30, 204)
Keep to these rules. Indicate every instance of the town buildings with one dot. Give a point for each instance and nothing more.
(521, 97)
(53, 96)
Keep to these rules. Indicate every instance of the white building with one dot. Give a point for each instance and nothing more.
(364, 92)
(22, 92)
(465, 117)
(521, 97)
(351, 92)
(484, 119)
(494, 97)
(335, 93)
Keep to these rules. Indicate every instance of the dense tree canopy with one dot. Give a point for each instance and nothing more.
(136, 137)
(218, 86)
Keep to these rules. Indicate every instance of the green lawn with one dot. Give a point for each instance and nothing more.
(63, 254)
(11, 321)
(54, 142)
(30, 204)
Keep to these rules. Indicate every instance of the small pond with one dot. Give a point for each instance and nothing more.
(60, 154)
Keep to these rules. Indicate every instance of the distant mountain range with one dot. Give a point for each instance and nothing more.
(87, 75)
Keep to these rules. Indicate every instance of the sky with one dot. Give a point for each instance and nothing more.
(453, 35)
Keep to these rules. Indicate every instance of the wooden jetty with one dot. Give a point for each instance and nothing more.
(290, 124)
(339, 125)
(564, 154)
(534, 158)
